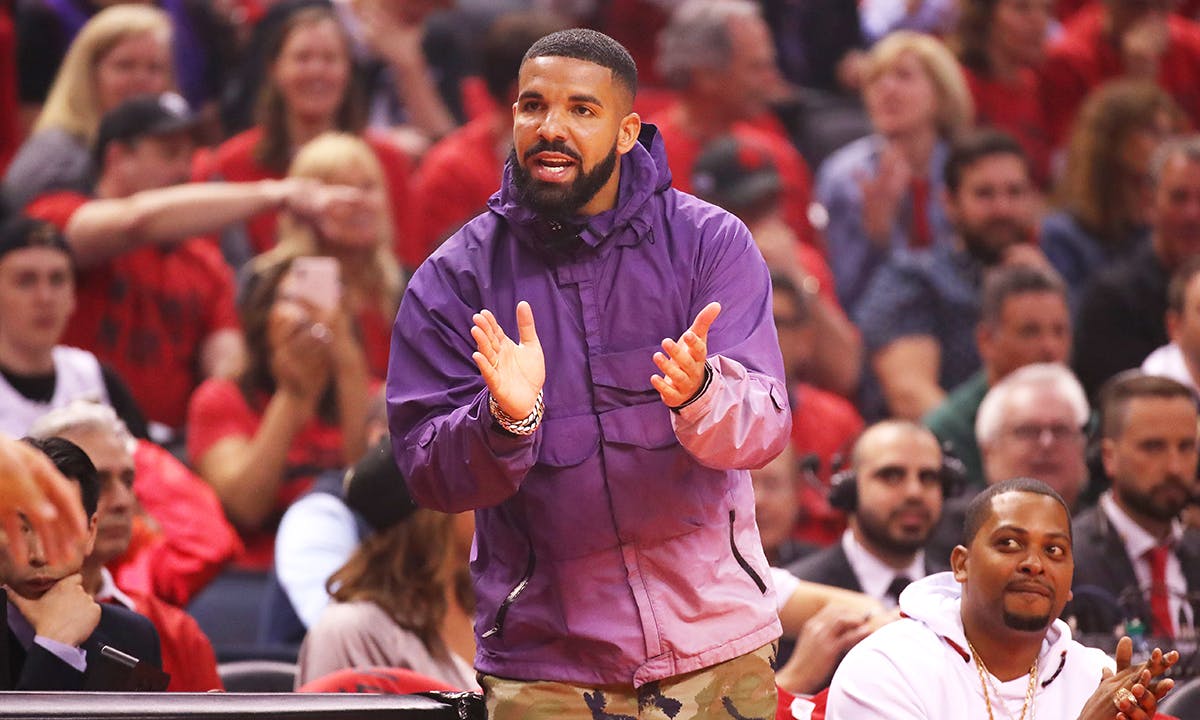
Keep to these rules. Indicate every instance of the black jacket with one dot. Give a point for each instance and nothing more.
(40, 669)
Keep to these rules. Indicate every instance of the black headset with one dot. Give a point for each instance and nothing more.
(843, 485)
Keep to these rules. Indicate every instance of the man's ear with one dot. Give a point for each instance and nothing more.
(1173, 318)
(627, 134)
(949, 204)
(958, 563)
(1108, 455)
(983, 339)
(91, 534)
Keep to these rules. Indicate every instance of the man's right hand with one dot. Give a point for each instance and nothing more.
(31, 488)
(1139, 680)
(514, 373)
(66, 613)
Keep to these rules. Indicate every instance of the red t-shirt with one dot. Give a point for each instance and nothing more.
(1083, 57)
(185, 542)
(683, 151)
(455, 180)
(219, 410)
(233, 161)
(1016, 109)
(146, 313)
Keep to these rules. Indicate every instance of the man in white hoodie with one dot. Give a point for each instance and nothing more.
(983, 641)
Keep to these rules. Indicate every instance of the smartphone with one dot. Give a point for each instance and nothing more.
(315, 279)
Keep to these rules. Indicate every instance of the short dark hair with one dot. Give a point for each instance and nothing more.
(74, 464)
(974, 146)
(1004, 282)
(1118, 391)
(1180, 279)
(504, 47)
(980, 508)
(592, 46)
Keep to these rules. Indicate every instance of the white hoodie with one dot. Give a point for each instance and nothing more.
(919, 667)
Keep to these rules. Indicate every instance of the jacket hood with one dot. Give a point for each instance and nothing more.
(935, 601)
(644, 173)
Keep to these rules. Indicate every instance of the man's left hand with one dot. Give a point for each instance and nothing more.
(682, 361)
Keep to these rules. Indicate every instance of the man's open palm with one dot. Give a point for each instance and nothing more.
(514, 372)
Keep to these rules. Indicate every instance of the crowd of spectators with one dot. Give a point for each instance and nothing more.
(979, 217)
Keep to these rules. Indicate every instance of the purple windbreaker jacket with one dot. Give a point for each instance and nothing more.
(617, 543)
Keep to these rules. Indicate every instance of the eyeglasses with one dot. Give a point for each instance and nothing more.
(1034, 433)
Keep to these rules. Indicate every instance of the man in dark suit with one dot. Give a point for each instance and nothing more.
(1134, 559)
(893, 496)
(55, 631)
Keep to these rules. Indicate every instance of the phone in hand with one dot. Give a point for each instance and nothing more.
(313, 279)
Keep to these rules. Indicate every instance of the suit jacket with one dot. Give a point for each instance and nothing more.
(830, 566)
(1105, 586)
(40, 669)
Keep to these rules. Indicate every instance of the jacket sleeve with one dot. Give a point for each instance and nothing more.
(447, 447)
(742, 420)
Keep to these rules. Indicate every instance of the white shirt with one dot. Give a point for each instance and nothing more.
(1167, 361)
(1137, 543)
(874, 575)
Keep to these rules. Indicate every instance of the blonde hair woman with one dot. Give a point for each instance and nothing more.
(881, 192)
(360, 238)
(122, 52)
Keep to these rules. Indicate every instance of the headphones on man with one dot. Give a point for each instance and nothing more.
(843, 484)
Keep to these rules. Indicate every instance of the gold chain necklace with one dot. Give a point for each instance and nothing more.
(983, 684)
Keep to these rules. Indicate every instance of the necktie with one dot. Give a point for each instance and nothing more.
(898, 584)
(920, 234)
(1160, 604)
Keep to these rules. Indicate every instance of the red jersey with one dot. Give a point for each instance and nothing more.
(1083, 57)
(219, 410)
(1015, 108)
(146, 313)
(234, 161)
(187, 653)
(683, 151)
(455, 180)
(185, 542)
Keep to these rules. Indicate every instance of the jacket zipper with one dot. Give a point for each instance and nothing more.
(762, 586)
(497, 629)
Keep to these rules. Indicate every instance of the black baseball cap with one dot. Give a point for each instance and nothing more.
(20, 232)
(375, 489)
(735, 173)
(144, 116)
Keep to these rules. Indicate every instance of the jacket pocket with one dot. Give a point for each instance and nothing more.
(741, 560)
(568, 441)
(497, 628)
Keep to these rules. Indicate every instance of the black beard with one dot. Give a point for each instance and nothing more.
(557, 202)
(1024, 623)
(1147, 504)
(988, 243)
(877, 534)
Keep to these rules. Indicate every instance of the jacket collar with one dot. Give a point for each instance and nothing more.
(644, 173)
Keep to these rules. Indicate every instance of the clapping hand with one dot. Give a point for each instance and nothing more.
(1131, 693)
(514, 372)
(682, 361)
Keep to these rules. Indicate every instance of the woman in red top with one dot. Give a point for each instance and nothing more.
(299, 407)
(361, 241)
(1000, 44)
(309, 89)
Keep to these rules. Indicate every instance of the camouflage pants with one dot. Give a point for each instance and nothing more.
(739, 689)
